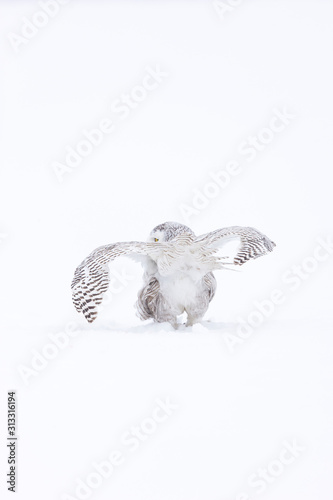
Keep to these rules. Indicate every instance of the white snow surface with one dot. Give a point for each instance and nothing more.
(234, 412)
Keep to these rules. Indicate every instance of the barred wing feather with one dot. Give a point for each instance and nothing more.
(253, 243)
(91, 278)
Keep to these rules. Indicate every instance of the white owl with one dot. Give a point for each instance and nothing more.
(177, 267)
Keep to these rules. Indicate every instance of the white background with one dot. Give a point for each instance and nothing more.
(226, 75)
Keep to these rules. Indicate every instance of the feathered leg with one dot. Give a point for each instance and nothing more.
(152, 304)
(206, 292)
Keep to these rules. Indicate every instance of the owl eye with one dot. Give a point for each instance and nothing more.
(155, 239)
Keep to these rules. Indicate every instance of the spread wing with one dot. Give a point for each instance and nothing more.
(252, 243)
(91, 279)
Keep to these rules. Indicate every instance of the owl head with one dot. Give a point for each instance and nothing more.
(167, 231)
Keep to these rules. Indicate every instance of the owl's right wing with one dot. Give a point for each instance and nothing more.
(252, 243)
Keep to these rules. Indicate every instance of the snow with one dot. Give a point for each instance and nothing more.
(234, 411)
(254, 379)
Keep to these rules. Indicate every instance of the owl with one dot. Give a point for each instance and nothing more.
(178, 270)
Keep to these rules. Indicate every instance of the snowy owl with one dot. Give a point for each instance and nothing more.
(177, 267)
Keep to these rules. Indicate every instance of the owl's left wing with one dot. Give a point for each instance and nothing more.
(91, 279)
(252, 243)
